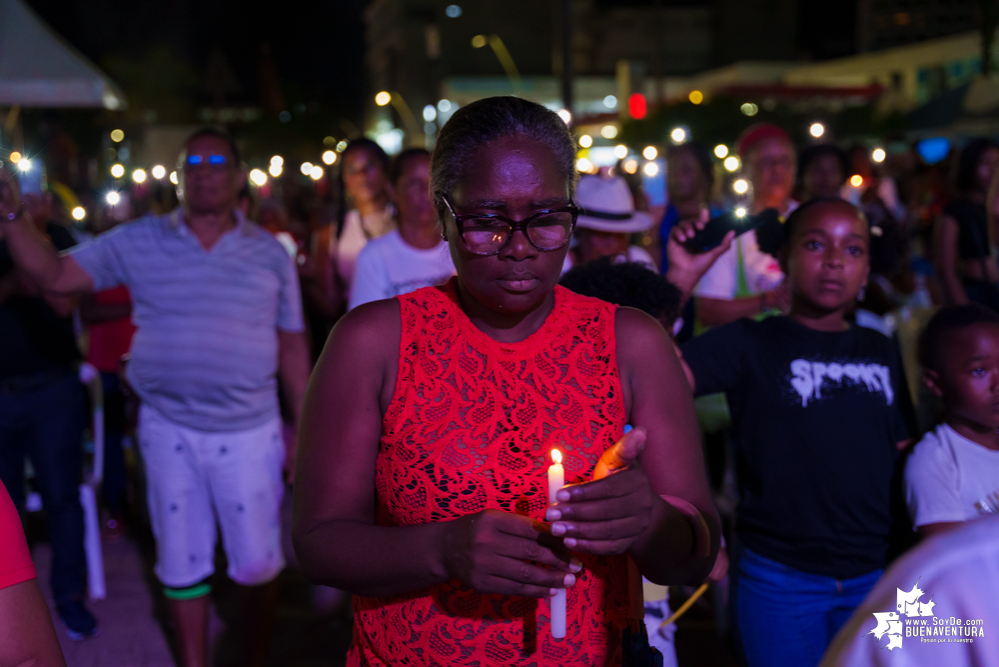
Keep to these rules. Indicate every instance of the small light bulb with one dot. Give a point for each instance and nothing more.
(631, 166)
(732, 163)
(113, 198)
(817, 130)
(159, 171)
(316, 173)
(741, 186)
(278, 160)
(117, 170)
(275, 170)
(586, 141)
(878, 155)
(695, 97)
(608, 132)
(678, 135)
(117, 135)
(620, 151)
(650, 153)
(79, 213)
(173, 178)
(139, 175)
(721, 150)
(856, 180)
(383, 98)
(306, 168)
(651, 169)
(565, 116)
(329, 157)
(740, 212)
(258, 177)
(584, 165)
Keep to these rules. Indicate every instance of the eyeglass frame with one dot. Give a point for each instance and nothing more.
(514, 225)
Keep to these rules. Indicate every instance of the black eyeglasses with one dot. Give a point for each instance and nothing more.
(488, 233)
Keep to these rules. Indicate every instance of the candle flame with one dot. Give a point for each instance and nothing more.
(557, 456)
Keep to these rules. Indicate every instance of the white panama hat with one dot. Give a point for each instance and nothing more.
(606, 205)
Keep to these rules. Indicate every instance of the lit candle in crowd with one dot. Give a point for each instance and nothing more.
(556, 480)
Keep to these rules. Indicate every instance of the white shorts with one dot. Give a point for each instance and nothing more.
(194, 477)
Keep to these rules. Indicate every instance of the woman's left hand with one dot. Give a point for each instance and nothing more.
(609, 514)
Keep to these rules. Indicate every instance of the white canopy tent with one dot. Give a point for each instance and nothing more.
(40, 69)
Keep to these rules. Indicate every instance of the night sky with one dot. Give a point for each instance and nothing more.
(317, 46)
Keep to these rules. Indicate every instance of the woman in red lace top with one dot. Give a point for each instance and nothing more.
(421, 483)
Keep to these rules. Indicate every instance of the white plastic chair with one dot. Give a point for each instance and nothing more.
(91, 378)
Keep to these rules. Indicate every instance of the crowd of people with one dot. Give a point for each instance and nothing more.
(459, 317)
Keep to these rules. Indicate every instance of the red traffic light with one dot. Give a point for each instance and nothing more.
(637, 107)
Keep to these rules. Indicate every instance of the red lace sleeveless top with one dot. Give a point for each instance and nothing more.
(470, 427)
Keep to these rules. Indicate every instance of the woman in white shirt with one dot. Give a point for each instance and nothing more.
(366, 213)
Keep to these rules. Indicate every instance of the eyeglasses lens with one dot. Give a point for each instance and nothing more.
(487, 235)
(215, 160)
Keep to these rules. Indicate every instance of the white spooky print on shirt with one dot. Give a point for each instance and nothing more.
(808, 377)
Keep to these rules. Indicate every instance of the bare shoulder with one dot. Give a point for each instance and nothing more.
(636, 329)
(370, 329)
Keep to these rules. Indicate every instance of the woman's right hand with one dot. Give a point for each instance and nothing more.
(492, 552)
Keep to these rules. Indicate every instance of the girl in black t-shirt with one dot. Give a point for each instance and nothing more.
(817, 407)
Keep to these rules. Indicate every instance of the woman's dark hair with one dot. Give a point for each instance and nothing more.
(489, 119)
(704, 161)
(772, 236)
(356, 144)
(364, 142)
(626, 284)
(399, 163)
(812, 153)
(945, 322)
(209, 131)
(967, 163)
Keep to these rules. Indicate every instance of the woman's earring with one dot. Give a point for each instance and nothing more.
(862, 294)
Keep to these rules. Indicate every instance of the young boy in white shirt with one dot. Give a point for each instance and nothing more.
(952, 475)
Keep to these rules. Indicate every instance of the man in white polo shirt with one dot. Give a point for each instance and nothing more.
(219, 317)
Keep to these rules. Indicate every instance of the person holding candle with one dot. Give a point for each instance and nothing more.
(422, 483)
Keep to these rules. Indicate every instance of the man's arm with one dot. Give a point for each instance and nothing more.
(38, 261)
(293, 369)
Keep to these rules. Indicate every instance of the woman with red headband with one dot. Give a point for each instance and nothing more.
(745, 282)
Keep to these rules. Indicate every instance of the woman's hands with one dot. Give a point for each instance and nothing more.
(502, 553)
(609, 514)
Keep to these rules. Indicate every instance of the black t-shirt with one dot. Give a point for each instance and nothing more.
(972, 228)
(33, 339)
(817, 416)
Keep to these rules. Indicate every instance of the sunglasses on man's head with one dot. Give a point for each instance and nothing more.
(193, 160)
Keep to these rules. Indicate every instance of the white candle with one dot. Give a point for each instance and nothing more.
(556, 480)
